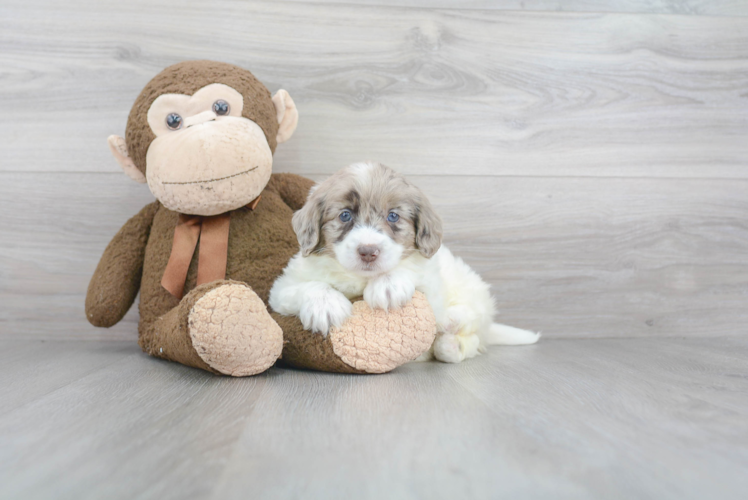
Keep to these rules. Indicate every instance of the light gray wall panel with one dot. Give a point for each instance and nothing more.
(450, 92)
(589, 165)
(602, 257)
(683, 7)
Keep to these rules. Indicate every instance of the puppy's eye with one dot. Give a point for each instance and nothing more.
(346, 216)
(221, 107)
(173, 121)
(393, 217)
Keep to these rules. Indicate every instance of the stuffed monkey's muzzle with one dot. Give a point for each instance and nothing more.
(210, 166)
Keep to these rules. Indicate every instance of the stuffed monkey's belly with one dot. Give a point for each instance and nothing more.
(261, 242)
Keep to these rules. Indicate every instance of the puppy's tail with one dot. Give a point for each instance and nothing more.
(499, 334)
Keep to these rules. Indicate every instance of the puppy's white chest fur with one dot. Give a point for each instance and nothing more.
(319, 289)
(326, 269)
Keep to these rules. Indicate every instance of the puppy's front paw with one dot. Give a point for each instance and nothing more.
(388, 292)
(324, 308)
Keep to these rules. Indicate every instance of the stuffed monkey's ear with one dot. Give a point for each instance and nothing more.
(288, 115)
(307, 224)
(118, 147)
(428, 228)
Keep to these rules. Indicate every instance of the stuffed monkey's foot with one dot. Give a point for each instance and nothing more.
(222, 327)
(232, 331)
(370, 341)
(378, 341)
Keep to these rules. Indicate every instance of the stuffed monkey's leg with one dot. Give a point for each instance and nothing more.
(370, 341)
(304, 349)
(222, 327)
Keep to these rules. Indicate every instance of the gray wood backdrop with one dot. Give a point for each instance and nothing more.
(589, 158)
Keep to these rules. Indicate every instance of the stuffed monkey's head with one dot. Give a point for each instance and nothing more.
(202, 134)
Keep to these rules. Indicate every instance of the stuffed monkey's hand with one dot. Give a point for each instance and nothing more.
(323, 308)
(389, 291)
(116, 281)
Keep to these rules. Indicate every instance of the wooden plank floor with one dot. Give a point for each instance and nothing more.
(591, 418)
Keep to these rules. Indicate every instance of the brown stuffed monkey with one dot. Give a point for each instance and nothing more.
(206, 253)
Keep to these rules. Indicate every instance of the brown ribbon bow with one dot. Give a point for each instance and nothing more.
(213, 233)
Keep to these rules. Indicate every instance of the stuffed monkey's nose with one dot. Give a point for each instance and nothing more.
(199, 118)
(368, 253)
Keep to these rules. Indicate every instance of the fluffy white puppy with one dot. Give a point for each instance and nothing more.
(367, 231)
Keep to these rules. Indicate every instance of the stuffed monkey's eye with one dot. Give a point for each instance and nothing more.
(173, 121)
(346, 216)
(221, 107)
(393, 217)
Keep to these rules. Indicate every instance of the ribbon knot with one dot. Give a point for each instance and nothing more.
(213, 234)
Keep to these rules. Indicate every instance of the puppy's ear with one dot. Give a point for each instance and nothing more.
(307, 223)
(428, 226)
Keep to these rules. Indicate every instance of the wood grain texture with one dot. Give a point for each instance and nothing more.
(570, 257)
(32, 369)
(138, 428)
(50, 246)
(458, 92)
(592, 418)
(683, 7)
(592, 167)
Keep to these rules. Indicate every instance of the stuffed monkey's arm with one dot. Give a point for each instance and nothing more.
(116, 281)
(293, 189)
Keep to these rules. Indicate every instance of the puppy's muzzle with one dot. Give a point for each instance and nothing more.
(368, 253)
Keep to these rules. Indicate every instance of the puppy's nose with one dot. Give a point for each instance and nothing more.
(368, 253)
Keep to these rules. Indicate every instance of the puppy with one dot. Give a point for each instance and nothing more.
(368, 231)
